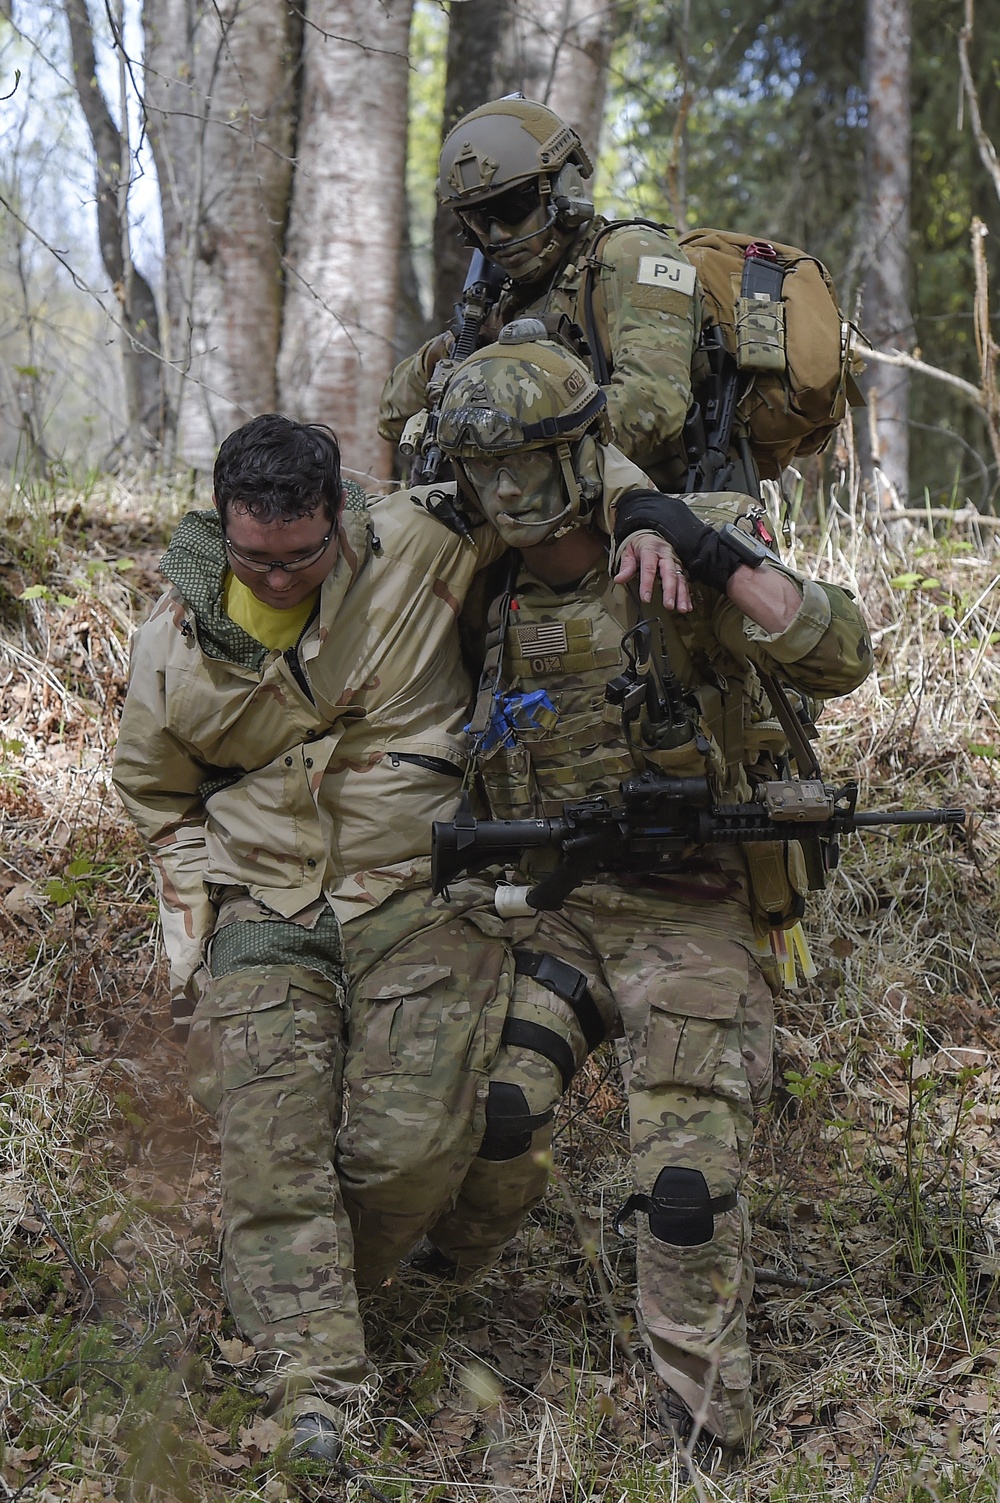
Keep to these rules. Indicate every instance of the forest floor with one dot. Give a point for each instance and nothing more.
(875, 1187)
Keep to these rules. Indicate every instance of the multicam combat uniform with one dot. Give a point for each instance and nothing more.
(647, 315)
(679, 954)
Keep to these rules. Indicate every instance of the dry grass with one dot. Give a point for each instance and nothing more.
(875, 1188)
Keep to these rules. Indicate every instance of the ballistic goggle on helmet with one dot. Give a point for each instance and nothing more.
(526, 392)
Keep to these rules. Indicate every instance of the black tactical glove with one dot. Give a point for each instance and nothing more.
(708, 556)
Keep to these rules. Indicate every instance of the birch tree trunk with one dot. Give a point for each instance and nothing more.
(139, 322)
(342, 252)
(562, 51)
(555, 51)
(886, 298)
(221, 102)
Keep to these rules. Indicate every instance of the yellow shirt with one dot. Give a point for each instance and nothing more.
(274, 628)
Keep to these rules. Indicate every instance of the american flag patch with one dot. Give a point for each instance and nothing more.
(546, 639)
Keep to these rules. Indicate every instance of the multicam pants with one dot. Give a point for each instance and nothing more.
(266, 1055)
(460, 1047)
(455, 1058)
(698, 1016)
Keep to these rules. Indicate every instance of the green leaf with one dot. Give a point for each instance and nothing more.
(59, 892)
(66, 600)
(80, 866)
(35, 592)
(980, 749)
(905, 581)
(121, 564)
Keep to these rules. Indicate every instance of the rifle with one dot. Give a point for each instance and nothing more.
(657, 821)
(483, 283)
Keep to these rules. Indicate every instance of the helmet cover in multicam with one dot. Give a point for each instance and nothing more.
(520, 409)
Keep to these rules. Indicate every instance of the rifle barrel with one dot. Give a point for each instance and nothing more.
(910, 817)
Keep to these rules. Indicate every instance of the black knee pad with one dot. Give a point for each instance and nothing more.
(509, 1123)
(681, 1210)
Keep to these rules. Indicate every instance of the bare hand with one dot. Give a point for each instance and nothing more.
(489, 333)
(440, 348)
(650, 557)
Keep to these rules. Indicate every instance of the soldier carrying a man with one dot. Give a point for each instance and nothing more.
(683, 950)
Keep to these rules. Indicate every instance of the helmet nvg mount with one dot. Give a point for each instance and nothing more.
(509, 144)
(523, 394)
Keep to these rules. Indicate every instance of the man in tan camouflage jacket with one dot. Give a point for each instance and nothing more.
(515, 175)
(683, 952)
(293, 725)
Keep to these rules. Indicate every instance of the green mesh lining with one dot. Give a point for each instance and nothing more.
(275, 944)
(196, 564)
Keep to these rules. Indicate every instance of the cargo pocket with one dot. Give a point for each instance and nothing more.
(397, 1019)
(242, 1031)
(687, 1048)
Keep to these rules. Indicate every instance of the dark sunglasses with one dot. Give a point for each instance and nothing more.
(510, 208)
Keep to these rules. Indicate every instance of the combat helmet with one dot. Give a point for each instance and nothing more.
(526, 392)
(516, 144)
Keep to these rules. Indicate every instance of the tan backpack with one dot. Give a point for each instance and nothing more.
(791, 342)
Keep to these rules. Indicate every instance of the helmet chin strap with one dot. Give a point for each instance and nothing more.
(549, 529)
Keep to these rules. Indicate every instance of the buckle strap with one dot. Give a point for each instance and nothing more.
(506, 1114)
(543, 1041)
(658, 1205)
(566, 982)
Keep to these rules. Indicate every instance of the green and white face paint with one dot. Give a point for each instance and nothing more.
(522, 494)
(515, 419)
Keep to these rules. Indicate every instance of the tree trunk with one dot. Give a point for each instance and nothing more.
(480, 36)
(139, 323)
(412, 326)
(221, 103)
(555, 51)
(563, 48)
(886, 297)
(342, 252)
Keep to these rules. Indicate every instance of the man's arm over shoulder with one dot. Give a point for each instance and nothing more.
(653, 309)
(158, 780)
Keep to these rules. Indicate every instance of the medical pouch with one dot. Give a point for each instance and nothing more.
(796, 347)
(776, 870)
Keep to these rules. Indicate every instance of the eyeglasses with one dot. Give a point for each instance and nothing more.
(511, 209)
(257, 566)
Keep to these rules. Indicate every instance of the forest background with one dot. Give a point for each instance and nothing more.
(209, 210)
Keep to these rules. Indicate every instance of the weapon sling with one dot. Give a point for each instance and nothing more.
(496, 633)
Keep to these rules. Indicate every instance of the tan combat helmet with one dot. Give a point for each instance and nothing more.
(526, 392)
(512, 154)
